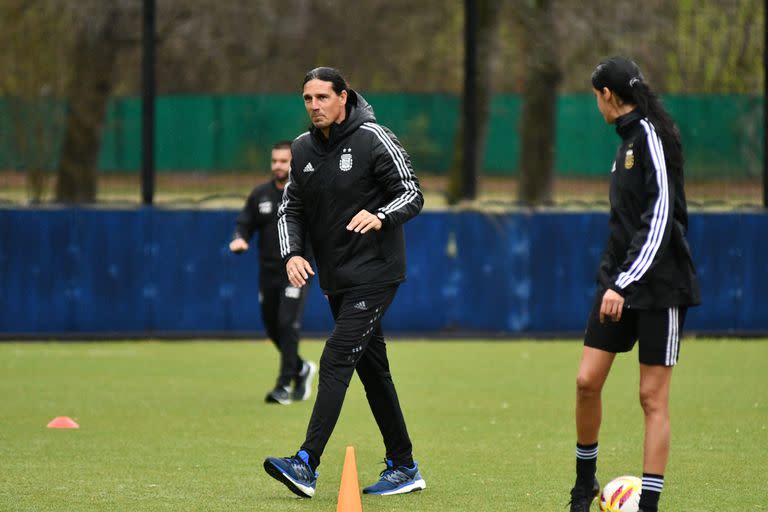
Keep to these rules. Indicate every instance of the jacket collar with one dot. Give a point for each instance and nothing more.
(625, 123)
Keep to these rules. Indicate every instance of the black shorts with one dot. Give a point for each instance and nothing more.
(657, 330)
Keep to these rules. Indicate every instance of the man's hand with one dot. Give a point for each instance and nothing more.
(612, 306)
(363, 222)
(298, 270)
(238, 245)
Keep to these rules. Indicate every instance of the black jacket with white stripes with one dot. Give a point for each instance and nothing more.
(361, 166)
(647, 259)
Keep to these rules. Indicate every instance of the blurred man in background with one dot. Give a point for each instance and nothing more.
(282, 304)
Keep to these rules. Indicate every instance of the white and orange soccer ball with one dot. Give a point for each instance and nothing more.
(621, 494)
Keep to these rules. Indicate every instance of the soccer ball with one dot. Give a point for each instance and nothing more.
(621, 494)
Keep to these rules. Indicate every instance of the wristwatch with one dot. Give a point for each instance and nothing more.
(382, 216)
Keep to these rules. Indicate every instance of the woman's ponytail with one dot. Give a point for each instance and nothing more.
(623, 77)
(649, 104)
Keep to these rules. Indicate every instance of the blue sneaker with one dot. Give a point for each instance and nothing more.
(397, 480)
(294, 472)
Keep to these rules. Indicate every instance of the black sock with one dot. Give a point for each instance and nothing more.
(407, 462)
(586, 463)
(652, 486)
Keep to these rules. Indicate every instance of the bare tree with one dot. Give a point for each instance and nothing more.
(94, 54)
(31, 83)
(539, 102)
(487, 30)
(714, 47)
(227, 46)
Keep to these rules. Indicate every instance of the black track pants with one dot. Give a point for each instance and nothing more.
(357, 343)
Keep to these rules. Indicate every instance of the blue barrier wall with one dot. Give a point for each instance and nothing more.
(160, 272)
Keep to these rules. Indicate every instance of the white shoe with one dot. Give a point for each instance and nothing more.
(303, 388)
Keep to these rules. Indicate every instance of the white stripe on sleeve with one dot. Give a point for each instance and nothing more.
(660, 212)
(406, 176)
(282, 224)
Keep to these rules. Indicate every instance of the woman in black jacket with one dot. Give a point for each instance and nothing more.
(646, 280)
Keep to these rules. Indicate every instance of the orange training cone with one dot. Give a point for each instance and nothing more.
(63, 422)
(349, 491)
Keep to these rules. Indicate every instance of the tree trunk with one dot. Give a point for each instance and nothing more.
(488, 15)
(95, 50)
(539, 103)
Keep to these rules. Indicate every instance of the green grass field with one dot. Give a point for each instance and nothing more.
(177, 426)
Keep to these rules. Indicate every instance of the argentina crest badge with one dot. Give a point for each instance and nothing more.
(629, 159)
(345, 162)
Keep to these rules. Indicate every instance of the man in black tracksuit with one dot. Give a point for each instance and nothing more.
(282, 304)
(351, 188)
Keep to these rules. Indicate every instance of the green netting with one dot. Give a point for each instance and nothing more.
(31, 133)
(722, 134)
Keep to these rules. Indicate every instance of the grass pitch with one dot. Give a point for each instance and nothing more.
(176, 426)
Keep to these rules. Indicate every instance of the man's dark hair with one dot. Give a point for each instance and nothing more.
(622, 76)
(328, 75)
(283, 144)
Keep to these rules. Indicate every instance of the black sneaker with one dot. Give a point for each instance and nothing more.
(279, 395)
(583, 496)
(303, 388)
